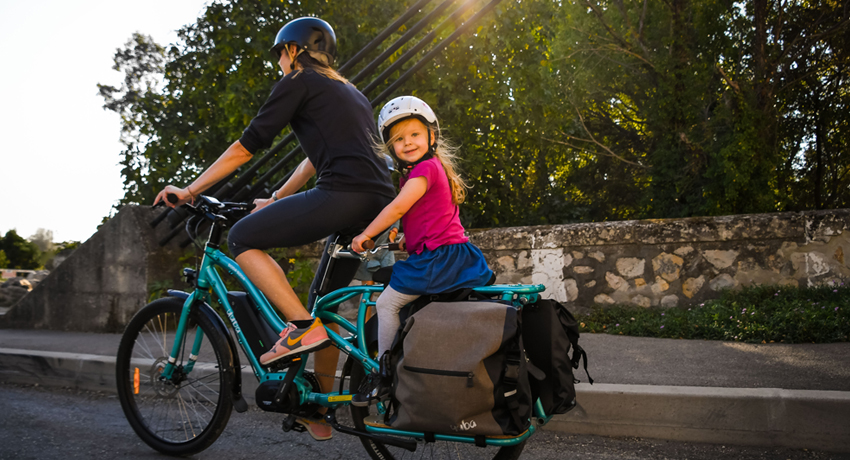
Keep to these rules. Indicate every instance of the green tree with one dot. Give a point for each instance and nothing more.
(692, 95)
(182, 105)
(4, 261)
(815, 127)
(496, 95)
(564, 111)
(19, 252)
(43, 239)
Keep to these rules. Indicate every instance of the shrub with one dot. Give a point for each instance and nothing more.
(757, 314)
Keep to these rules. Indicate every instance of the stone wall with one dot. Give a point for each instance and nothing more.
(664, 263)
(671, 262)
(105, 281)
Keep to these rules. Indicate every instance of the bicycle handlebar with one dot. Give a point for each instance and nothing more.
(341, 252)
(209, 208)
(370, 245)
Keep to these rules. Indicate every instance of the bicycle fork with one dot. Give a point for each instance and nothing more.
(179, 337)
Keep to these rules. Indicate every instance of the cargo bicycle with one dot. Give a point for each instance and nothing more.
(179, 375)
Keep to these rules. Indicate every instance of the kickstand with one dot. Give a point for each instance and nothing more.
(330, 417)
(290, 425)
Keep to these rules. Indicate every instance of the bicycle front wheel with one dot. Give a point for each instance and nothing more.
(436, 450)
(185, 414)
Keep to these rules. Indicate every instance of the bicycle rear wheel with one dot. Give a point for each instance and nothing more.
(436, 450)
(185, 414)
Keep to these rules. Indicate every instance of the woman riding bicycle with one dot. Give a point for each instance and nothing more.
(333, 123)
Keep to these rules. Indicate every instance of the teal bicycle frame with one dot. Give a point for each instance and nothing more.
(210, 286)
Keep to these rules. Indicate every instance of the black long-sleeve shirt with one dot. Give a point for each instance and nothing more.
(333, 122)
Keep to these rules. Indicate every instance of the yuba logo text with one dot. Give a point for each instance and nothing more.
(464, 426)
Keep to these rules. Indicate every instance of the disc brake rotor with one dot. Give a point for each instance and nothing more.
(163, 387)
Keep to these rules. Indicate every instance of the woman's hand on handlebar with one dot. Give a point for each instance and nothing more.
(261, 203)
(170, 192)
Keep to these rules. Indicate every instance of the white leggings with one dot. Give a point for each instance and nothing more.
(388, 306)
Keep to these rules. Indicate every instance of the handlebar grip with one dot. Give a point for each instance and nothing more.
(368, 244)
(393, 247)
(172, 198)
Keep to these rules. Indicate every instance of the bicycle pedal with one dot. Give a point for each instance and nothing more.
(284, 364)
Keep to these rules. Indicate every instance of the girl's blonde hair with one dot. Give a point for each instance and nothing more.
(444, 151)
(317, 62)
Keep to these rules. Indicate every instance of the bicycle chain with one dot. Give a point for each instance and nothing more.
(325, 375)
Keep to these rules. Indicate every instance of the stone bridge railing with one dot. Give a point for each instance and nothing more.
(664, 263)
(671, 262)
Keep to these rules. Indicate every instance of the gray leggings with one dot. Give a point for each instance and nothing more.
(388, 306)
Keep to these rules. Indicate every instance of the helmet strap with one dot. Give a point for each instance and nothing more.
(297, 53)
(405, 167)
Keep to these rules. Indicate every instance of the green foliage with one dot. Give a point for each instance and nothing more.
(68, 246)
(183, 105)
(299, 271)
(586, 110)
(159, 289)
(761, 314)
(495, 94)
(43, 239)
(19, 253)
(4, 261)
(683, 89)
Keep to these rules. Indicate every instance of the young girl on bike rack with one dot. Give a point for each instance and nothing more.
(441, 258)
(333, 122)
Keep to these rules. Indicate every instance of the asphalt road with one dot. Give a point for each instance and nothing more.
(39, 423)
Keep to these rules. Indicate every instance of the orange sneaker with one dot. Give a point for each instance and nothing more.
(295, 341)
(318, 429)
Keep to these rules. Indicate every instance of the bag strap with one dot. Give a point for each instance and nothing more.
(510, 382)
(578, 355)
(569, 323)
(534, 371)
(398, 345)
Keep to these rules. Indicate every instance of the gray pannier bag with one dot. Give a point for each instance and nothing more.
(459, 368)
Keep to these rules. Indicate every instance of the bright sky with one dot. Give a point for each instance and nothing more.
(59, 162)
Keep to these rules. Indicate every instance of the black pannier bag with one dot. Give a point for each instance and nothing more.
(459, 368)
(549, 331)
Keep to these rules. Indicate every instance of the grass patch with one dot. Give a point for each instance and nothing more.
(757, 314)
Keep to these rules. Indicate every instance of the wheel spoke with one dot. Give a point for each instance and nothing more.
(184, 414)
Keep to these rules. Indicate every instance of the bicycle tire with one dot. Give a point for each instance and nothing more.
(175, 418)
(436, 450)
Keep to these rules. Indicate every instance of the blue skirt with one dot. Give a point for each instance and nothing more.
(447, 268)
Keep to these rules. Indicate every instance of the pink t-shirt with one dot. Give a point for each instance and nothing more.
(434, 220)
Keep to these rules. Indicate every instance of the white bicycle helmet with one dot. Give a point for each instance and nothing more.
(405, 107)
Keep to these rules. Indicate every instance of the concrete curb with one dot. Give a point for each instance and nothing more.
(799, 419)
(743, 416)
